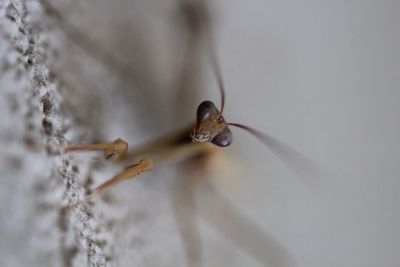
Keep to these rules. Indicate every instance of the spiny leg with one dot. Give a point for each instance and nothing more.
(185, 213)
(175, 146)
(131, 171)
(116, 149)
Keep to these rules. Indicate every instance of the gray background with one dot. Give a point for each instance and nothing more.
(323, 77)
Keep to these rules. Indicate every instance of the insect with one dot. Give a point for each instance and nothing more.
(209, 131)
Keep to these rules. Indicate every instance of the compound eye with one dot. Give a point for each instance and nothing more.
(205, 109)
(223, 139)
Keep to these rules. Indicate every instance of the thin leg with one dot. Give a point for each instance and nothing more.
(131, 171)
(116, 149)
(185, 212)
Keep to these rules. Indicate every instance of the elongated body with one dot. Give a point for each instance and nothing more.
(171, 147)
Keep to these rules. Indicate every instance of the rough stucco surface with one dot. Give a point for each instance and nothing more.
(322, 76)
(38, 229)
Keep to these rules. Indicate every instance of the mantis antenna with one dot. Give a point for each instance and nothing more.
(212, 127)
(217, 73)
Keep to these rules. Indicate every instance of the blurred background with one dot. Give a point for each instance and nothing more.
(320, 76)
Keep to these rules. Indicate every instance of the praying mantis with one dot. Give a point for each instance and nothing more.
(199, 140)
(210, 130)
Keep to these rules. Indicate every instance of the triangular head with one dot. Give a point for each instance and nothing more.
(211, 126)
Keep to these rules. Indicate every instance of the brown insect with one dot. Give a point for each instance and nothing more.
(210, 130)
